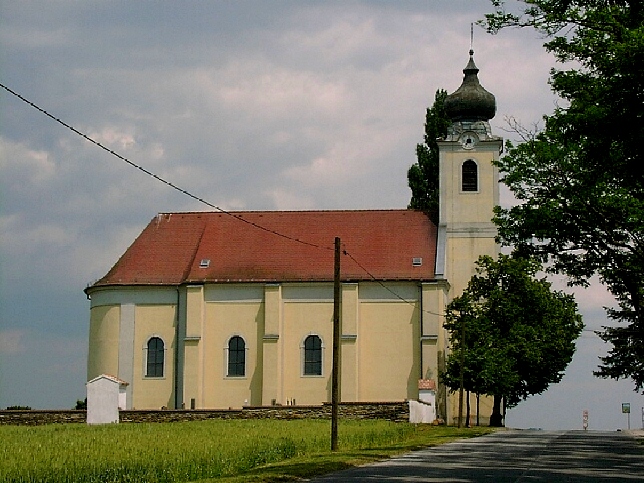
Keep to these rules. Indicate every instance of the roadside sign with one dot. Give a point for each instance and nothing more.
(626, 409)
(585, 418)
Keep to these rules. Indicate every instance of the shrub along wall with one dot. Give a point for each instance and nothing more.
(392, 411)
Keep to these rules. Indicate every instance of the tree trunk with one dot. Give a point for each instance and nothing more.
(467, 411)
(496, 419)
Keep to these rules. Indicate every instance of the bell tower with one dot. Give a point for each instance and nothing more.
(468, 192)
(469, 181)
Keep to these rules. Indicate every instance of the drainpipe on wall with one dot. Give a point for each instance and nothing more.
(421, 315)
(177, 393)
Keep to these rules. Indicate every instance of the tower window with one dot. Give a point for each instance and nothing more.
(313, 356)
(469, 176)
(155, 357)
(236, 357)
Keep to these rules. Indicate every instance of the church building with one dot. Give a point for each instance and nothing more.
(211, 310)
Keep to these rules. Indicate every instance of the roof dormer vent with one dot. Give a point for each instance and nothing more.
(417, 261)
(205, 263)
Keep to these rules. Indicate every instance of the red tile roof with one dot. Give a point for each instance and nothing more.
(278, 246)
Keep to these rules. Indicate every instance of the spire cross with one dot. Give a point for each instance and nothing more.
(472, 38)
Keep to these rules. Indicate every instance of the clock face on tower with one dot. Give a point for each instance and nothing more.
(469, 140)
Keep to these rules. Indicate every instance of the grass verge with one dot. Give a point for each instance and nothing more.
(207, 451)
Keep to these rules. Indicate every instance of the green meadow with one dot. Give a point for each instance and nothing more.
(232, 451)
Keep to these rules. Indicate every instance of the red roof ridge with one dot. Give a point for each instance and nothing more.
(222, 211)
(385, 244)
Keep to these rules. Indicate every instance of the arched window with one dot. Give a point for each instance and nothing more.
(313, 356)
(469, 176)
(236, 357)
(155, 357)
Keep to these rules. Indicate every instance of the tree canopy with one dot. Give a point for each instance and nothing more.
(580, 180)
(510, 333)
(422, 176)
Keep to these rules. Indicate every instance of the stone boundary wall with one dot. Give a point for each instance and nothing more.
(392, 411)
(37, 417)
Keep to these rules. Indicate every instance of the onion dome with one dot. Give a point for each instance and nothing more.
(470, 102)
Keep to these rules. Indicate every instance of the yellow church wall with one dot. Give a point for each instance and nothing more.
(473, 206)
(434, 345)
(388, 344)
(224, 320)
(104, 327)
(485, 409)
(193, 347)
(154, 321)
(349, 308)
(464, 252)
(432, 336)
(381, 341)
(348, 342)
(192, 367)
(429, 349)
(195, 309)
(349, 370)
(466, 209)
(272, 345)
(303, 318)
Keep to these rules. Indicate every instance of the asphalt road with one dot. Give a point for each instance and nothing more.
(515, 456)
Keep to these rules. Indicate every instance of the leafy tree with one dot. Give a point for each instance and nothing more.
(422, 176)
(580, 182)
(81, 404)
(513, 334)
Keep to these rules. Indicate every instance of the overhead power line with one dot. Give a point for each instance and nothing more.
(201, 200)
(155, 176)
(388, 289)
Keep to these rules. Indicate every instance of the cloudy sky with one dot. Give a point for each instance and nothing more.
(250, 105)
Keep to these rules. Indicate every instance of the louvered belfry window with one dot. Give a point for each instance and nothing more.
(469, 176)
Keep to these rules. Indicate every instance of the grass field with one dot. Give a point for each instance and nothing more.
(204, 451)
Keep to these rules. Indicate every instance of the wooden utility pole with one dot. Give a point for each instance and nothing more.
(335, 376)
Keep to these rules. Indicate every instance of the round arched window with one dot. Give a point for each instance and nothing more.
(236, 357)
(155, 357)
(313, 356)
